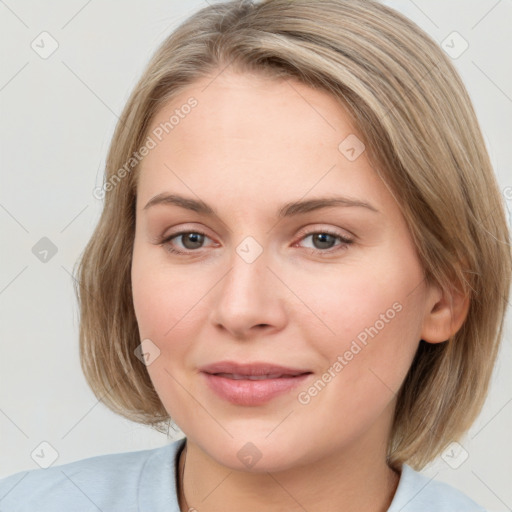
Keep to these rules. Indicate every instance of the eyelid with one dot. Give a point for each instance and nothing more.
(324, 228)
(307, 229)
(181, 232)
(181, 229)
(304, 233)
(333, 251)
(304, 230)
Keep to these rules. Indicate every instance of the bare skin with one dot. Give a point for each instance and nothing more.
(249, 146)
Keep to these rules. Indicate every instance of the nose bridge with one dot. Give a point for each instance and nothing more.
(248, 294)
(248, 276)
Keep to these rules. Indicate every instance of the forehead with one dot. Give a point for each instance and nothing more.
(253, 135)
(242, 105)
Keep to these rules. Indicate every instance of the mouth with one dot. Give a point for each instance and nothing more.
(255, 369)
(252, 384)
(235, 376)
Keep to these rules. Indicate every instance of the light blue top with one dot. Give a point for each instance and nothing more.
(145, 481)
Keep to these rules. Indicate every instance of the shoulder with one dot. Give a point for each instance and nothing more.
(118, 481)
(418, 493)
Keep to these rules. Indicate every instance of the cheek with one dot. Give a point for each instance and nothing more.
(156, 305)
(371, 329)
(171, 313)
(163, 308)
(364, 366)
(353, 302)
(162, 297)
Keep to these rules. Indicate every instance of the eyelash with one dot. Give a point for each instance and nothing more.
(344, 245)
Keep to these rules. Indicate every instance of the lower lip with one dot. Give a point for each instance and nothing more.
(252, 392)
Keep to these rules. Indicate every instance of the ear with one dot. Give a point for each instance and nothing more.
(445, 312)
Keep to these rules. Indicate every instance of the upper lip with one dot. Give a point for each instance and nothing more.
(251, 369)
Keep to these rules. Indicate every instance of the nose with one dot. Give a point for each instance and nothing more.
(250, 298)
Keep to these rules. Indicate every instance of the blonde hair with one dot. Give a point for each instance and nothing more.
(420, 130)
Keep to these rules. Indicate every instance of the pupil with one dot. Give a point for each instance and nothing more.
(321, 238)
(324, 239)
(196, 238)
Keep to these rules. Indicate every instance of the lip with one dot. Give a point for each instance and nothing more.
(252, 369)
(246, 392)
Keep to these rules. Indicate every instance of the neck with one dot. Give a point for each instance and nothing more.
(358, 482)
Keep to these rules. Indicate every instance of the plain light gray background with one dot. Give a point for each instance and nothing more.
(57, 116)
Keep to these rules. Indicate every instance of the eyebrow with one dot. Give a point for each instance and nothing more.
(287, 210)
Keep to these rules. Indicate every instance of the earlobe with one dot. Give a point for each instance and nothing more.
(445, 313)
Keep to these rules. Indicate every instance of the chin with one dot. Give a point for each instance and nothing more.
(258, 456)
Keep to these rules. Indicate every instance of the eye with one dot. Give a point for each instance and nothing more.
(193, 240)
(324, 241)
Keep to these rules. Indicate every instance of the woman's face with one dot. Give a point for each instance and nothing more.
(334, 293)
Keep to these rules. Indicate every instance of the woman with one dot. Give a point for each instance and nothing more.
(303, 260)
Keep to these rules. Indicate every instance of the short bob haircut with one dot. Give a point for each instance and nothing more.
(420, 131)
